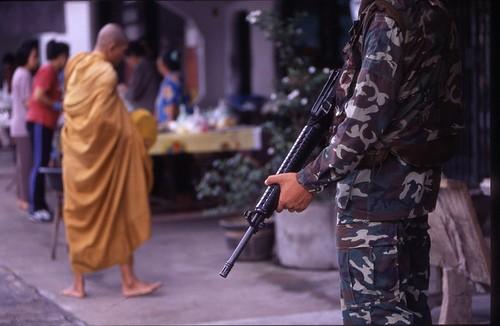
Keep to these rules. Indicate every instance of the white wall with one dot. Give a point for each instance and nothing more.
(354, 8)
(211, 28)
(77, 19)
(194, 39)
(213, 20)
(262, 56)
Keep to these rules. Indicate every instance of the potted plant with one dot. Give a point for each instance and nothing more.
(239, 180)
(237, 183)
(306, 239)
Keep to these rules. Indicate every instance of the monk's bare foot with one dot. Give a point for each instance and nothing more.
(138, 288)
(74, 293)
(77, 289)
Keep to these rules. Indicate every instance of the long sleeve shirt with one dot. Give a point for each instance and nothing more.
(384, 105)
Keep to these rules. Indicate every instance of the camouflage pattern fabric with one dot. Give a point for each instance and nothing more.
(384, 269)
(397, 87)
(400, 87)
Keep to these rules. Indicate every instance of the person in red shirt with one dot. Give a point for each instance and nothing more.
(44, 109)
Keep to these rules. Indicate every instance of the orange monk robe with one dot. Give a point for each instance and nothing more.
(106, 169)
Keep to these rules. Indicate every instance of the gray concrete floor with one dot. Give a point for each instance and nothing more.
(186, 255)
(22, 304)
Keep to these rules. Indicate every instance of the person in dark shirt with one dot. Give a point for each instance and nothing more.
(144, 80)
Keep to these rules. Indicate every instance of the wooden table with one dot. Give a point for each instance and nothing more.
(241, 138)
(201, 149)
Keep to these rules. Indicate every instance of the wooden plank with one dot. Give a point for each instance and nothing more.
(457, 240)
(459, 247)
(242, 138)
(456, 307)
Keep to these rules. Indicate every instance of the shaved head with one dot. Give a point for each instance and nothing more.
(112, 42)
(110, 34)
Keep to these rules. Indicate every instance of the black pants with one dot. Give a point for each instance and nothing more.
(41, 144)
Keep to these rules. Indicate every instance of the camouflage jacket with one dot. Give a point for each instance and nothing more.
(400, 86)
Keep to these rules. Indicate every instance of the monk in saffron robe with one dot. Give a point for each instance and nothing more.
(106, 169)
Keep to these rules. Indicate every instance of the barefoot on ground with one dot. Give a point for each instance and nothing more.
(72, 292)
(140, 288)
(22, 205)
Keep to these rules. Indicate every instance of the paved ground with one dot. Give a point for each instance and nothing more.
(185, 254)
(21, 304)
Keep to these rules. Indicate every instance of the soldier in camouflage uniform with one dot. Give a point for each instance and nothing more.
(400, 95)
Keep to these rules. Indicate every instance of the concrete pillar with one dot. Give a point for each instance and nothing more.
(307, 239)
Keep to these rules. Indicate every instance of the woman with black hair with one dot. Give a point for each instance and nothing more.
(45, 107)
(27, 61)
(170, 98)
(170, 94)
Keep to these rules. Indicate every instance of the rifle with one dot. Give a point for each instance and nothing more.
(320, 118)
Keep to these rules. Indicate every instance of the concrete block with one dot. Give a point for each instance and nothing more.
(307, 240)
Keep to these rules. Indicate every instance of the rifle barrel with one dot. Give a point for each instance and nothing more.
(236, 253)
(319, 121)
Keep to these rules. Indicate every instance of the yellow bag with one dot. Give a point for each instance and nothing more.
(146, 124)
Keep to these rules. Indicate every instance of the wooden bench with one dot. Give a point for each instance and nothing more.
(459, 248)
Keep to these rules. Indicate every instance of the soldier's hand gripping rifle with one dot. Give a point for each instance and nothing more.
(320, 119)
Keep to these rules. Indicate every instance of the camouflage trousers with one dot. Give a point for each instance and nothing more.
(384, 269)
